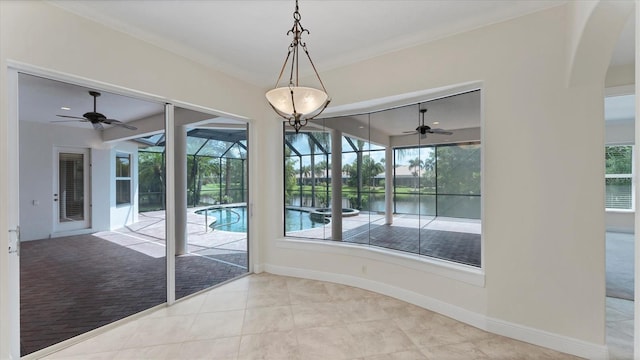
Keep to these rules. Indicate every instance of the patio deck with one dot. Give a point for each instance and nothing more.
(71, 285)
(74, 284)
(451, 239)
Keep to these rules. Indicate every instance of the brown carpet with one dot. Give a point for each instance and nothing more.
(75, 284)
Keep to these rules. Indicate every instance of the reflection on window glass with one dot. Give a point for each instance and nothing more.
(458, 181)
(434, 187)
(308, 162)
(151, 180)
(441, 180)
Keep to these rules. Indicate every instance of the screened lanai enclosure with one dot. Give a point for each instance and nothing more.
(102, 244)
(399, 189)
(216, 168)
(211, 233)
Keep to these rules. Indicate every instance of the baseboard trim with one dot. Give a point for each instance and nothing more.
(515, 331)
(547, 339)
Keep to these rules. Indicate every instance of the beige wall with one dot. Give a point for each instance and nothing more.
(57, 40)
(620, 75)
(543, 224)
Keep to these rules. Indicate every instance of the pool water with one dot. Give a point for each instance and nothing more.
(235, 219)
(228, 218)
(296, 220)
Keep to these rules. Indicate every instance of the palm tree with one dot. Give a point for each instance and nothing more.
(429, 167)
(151, 175)
(207, 168)
(321, 168)
(415, 166)
(304, 172)
(347, 169)
(313, 138)
(289, 176)
(322, 138)
(371, 168)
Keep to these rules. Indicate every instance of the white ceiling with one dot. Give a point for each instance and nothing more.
(247, 39)
(455, 113)
(40, 100)
(461, 111)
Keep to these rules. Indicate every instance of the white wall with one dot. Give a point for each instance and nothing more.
(37, 143)
(101, 182)
(620, 75)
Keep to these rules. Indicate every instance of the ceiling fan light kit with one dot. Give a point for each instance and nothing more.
(297, 104)
(95, 118)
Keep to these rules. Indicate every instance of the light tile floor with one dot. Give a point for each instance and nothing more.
(274, 317)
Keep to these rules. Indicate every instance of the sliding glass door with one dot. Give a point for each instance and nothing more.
(93, 212)
(211, 192)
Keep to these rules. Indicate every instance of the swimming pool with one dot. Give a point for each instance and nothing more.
(296, 220)
(234, 218)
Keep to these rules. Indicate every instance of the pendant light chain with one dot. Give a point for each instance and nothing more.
(300, 104)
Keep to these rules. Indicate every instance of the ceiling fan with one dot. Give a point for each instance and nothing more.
(95, 118)
(423, 129)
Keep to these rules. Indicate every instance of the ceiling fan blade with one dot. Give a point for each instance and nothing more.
(64, 121)
(410, 132)
(72, 117)
(97, 126)
(441, 131)
(126, 126)
(119, 123)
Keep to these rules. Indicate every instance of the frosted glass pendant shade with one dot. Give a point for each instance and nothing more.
(307, 100)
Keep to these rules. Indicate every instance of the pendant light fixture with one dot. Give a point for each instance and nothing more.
(293, 102)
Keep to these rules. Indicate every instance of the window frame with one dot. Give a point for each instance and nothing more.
(128, 179)
(631, 177)
(427, 263)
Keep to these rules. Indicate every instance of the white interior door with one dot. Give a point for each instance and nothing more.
(71, 196)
